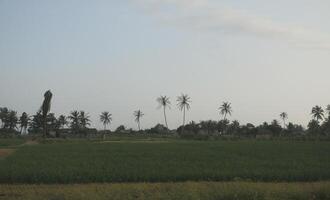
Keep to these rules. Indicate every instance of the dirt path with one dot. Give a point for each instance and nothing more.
(6, 152)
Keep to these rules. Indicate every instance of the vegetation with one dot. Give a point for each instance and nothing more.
(106, 119)
(164, 102)
(45, 108)
(166, 161)
(174, 191)
(138, 115)
(78, 123)
(183, 104)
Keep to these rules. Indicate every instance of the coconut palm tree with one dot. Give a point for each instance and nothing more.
(164, 102)
(84, 120)
(24, 121)
(225, 109)
(74, 120)
(284, 116)
(317, 113)
(183, 104)
(106, 119)
(45, 108)
(138, 115)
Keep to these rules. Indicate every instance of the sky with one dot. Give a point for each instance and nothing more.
(265, 57)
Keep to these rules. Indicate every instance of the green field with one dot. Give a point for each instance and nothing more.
(85, 161)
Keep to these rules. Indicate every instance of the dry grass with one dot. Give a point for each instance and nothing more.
(175, 191)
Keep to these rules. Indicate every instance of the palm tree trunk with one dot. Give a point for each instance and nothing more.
(139, 125)
(224, 118)
(165, 118)
(184, 119)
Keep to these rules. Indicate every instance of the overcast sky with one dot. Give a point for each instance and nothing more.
(265, 57)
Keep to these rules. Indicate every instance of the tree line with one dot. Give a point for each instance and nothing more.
(78, 122)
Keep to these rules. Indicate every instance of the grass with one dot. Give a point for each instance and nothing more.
(167, 161)
(174, 191)
(11, 142)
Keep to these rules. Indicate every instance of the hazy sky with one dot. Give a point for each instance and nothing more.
(119, 55)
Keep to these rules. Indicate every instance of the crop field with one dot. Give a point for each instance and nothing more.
(85, 161)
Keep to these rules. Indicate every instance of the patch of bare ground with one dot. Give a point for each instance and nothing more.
(6, 152)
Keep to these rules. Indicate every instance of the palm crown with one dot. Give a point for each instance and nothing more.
(317, 113)
(105, 118)
(225, 109)
(138, 114)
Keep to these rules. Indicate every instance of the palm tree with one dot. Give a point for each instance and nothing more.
(62, 121)
(225, 109)
(106, 119)
(75, 121)
(164, 102)
(183, 104)
(84, 119)
(284, 116)
(328, 110)
(24, 121)
(317, 113)
(45, 108)
(138, 115)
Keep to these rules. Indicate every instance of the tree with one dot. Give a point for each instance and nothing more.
(45, 108)
(314, 127)
(84, 120)
(120, 129)
(36, 124)
(328, 111)
(62, 121)
(275, 127)
(183, 104)
(24, 121)
(138, 115)
(317, 113)
(164, 102)
(74, 121)
(284, 116)
(3, 116)
(12, 120)
(225, 109)
(106, 119)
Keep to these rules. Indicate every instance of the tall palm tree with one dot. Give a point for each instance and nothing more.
(45, 108)
(164, 102)
(284, 116)
(183, 102)
(138, 115)
(84, 119)
(24, 121)
(317, 113)
(225, 109)
(106, 119)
